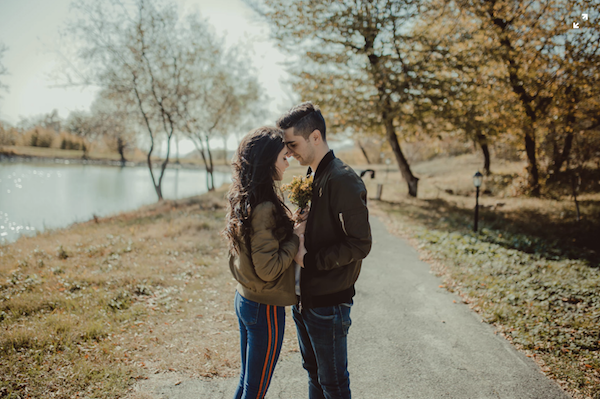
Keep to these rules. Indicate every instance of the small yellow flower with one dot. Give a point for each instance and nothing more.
(300, 191)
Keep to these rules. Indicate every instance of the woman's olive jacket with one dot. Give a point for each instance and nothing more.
(265, 272)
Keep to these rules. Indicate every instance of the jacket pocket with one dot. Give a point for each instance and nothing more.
(355, 222)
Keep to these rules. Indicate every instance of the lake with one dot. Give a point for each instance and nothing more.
(35, 197)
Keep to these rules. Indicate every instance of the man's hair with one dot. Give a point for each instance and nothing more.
(304, 118)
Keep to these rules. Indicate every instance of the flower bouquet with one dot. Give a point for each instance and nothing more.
(300, 191)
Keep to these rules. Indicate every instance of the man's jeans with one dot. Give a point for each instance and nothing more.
(261, 336)
(322, 335)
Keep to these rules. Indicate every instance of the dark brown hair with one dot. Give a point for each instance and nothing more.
(304, 118)
(254, 173)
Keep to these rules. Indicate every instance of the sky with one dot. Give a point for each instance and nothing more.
(30, 30)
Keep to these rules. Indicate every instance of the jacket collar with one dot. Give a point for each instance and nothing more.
(322, 165)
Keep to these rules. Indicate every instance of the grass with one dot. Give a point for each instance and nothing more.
(532, 270)
(86, 311)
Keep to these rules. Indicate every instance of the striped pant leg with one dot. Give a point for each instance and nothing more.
(261, 330)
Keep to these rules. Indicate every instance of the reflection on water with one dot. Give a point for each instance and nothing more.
(37, 197)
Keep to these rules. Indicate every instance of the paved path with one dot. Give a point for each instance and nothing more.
(408, 340)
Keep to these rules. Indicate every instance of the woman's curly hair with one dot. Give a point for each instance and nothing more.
(254, 173)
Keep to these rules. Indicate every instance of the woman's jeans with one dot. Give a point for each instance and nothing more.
(322, 335)
(261, 336)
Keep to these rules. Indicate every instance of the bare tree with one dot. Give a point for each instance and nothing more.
(223, 98)
(83, 125)
(3, 70)
(172, 69)
(135, 51)
(115, 123)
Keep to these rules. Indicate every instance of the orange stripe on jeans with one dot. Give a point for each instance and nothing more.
(276, 328)
(262, 378)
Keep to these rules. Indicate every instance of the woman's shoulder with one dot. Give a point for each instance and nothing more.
(263, 213)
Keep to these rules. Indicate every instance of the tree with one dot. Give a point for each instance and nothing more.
(136, 52)
(476, 100)
(359, 60)
(115, 123)
(531, 38)
(3, 70)
(83, 125)
(170, 68)
(223, 97)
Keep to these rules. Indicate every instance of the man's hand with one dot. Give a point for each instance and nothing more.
(300, 215)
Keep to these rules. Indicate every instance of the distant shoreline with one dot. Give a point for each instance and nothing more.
(13, 157)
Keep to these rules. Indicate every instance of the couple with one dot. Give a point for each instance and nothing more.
(327, 244)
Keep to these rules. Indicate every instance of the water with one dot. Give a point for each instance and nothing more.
(35, 197)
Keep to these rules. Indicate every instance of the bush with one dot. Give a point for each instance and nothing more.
(7, 136)
(70, 142)
(39, 137)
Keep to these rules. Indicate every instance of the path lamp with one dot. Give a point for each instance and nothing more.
(477, 181)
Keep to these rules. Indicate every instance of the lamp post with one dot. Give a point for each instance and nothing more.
(477, 181)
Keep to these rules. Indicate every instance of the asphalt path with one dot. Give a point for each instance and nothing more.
(409, 339)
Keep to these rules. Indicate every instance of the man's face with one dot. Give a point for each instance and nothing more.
(299, 148)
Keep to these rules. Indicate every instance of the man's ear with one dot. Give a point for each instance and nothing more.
(316, 135)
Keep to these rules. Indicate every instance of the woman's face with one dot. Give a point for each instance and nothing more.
(282, 163)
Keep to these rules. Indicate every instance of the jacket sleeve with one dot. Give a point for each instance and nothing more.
(270, 257)
(348, 203)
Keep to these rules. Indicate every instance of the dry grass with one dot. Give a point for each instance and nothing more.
(87, 310)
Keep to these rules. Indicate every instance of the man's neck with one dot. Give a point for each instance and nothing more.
(319, 155)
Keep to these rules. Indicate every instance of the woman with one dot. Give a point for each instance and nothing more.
(263, 242)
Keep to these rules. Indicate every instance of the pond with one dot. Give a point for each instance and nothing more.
(35, 197)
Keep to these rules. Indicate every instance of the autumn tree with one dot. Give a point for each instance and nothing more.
(360, 61)
(471, 103)
(531, 39)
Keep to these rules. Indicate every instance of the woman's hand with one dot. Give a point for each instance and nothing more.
(299, 258)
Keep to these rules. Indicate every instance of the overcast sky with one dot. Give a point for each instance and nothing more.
(30, 29)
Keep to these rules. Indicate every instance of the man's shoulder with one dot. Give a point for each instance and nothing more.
(342, 172)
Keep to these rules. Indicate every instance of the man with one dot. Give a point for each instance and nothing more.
(337, 238)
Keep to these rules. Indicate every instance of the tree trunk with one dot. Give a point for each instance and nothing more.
(156, 187)
(483, 143)
(225, 161)
(411, 180)
(121, 150)
(363, 151)
(533, 106)
(532, 168)
(210, 168)
(561, 156)
(177, 148)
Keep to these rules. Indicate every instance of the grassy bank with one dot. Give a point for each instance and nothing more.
(87, 310)
(532, 270)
